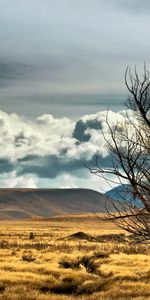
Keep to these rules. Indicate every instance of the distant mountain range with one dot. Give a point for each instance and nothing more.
(123, 193)
(26, 203)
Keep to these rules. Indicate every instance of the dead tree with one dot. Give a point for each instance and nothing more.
(129, 148)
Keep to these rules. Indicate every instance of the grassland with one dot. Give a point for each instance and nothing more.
(67, 258)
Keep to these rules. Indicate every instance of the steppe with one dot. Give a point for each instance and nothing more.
(71, 257)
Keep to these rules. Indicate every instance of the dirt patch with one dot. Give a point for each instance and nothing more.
(80, 235)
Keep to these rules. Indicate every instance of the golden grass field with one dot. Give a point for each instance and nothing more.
(43, 259)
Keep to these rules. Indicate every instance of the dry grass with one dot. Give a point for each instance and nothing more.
(45, 259)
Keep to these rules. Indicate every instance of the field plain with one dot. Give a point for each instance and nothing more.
(71, 257)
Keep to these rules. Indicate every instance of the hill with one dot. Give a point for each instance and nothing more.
(123, 193)
(26, 203)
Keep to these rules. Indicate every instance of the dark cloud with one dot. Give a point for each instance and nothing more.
(52, 166)
(52, 54)
(6, 166)
(65, 58)
(12, 71)
(134, 5)
(81, 127)
(59, 105)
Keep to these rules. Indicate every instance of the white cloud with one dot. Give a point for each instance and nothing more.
(87, 180)
(49, 136)
(11, 180)
(20, 137)
(49, 147)
(90, 131)
(68, 181)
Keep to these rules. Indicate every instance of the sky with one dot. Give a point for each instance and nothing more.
(62, 65)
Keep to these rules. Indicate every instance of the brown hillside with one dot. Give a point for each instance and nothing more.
(25, 203)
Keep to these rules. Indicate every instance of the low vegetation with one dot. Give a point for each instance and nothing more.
(68, 258)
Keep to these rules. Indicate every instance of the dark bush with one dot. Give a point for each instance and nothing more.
(2, 289)
(65, 287)
(89, 264)
(100, 255)
(28, 258)
(64, 263)
(31, 236)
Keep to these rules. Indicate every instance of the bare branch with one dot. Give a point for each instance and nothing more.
(129, 148)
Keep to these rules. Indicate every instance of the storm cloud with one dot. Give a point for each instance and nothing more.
(49, 55)
(136, 6)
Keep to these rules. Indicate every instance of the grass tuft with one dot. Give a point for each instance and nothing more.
(69, 264)
(28, 258)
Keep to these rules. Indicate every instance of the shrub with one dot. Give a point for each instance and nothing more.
(89, 264)
(28, 258)
(64, 263)
(100, 255)
(2, 289)
(31, 236)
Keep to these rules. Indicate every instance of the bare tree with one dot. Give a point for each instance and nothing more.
(129, 148)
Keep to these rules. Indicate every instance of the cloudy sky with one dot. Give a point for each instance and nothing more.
(62, 65)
